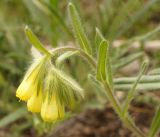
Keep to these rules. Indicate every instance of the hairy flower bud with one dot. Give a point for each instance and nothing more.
(35, 102)
(25, 90)
(30, 82)
(50, 110)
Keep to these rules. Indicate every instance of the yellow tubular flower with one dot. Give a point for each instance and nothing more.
(27, 87)
(35, 102)
(25, 90)
(29, 83)
(50, 111)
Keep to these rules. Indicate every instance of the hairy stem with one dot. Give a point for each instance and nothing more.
(81, 52)
(127, 119)
(116, 105)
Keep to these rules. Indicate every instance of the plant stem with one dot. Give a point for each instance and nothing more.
(126, 120)
(111, 98)
(81, 52)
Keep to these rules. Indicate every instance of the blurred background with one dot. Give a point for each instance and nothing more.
(118, 20)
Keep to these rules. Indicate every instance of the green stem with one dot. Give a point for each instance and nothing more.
(130, 125)
(81, 52)
(132, 91)
(127, 119)
(111, 98)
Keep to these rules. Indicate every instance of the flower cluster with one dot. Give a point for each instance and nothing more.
(48, 90)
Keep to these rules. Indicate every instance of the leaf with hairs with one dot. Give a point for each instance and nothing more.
(35, 41)
(102, 60)
(133, 89)
(79, 30)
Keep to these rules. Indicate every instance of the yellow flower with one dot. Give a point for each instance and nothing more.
(30, 81)
(50, 110)
(25, 90)
(35, 102)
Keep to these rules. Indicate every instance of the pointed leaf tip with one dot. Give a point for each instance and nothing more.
(79, 31)
(35, 41)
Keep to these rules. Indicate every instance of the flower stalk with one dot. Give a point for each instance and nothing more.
(116, 105)
(126, 119)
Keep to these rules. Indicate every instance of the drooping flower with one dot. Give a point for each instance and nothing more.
(35, 102)
(25, 90)
(48, 90)
(50, 110)
(60, 91)
(30, 84)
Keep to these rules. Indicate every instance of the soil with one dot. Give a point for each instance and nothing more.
(105, 123)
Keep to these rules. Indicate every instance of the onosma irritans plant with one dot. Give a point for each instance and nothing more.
(48, 90)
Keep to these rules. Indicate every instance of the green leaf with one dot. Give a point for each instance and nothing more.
(145, 79)
(109, 70)
(35, 41)
(133, 89)
(13, 116)
(98, 39)
(79, 30)
(141, 86)
(102, 60)
(155, 126)
(104, 71)
(155, 71)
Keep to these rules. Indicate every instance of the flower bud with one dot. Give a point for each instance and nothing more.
(25, 90)
(31, 80)
(35, 102)
(50, 110)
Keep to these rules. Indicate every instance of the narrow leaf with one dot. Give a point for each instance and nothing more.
(79, 30)
(102, 59)
(133, 89)
(140, 87)
(145, 79)
(109, 69)
(98, 38)
(35, 41)
(155, 71)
